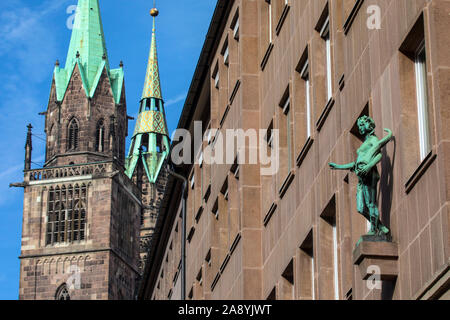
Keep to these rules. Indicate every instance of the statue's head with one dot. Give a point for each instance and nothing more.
(366, 125)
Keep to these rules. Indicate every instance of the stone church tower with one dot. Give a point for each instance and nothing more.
(149, 149)
(82, 213)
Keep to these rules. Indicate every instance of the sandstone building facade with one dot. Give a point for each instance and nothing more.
(87, 213)
(310, 69)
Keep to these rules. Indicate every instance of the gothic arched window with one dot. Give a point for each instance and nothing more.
(100, 136)
(66, 214)
(62, 293)
(72, 135)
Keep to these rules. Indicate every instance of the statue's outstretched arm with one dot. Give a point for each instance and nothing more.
(386, 139)
(348, 166)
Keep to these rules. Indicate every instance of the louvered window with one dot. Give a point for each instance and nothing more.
(66, 214)
(73, 135)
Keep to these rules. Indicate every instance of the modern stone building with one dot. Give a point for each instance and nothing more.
(310, 69)
(88, 212)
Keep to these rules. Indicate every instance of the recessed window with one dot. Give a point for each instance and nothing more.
(235, 27)
(416, 105)
(66, 214)
(235, 170)
(270, 13)
(215, 209)
(225, 190)
(226, 53)
(285, 134)
(422, 100)
(62, 293)
(208, 258)
(286, 283)
(325, 35)
(192, 180)
(216, 76)
(269, 135)
(329, 254)
(304, 73)
(200, 159)
(287, 120)
(307, 266)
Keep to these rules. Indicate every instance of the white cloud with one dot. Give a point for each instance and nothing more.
(175, 100)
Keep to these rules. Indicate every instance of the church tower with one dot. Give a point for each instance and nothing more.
(149, 148)
(81, 215)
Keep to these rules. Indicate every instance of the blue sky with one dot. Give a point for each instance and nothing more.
(33, 34)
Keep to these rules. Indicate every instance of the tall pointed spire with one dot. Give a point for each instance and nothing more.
(152, 85)
(87, 39)
(87, 49)
(150, 141)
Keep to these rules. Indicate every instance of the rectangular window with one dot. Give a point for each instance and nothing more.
(270, 20)
(305, 76)
(235, 26)
(284, 126)
(200, 160)
(192, 180)
(335, 262)
(235, 171)
(66, 215)
(422, 100)
(328, 241)
(287, 283)
(325, 35)
(226, 54)
(215, 209)
(269, 136)
(216, 76)
(416, 110)
(286, 112)
(223, 222)
(306, 269)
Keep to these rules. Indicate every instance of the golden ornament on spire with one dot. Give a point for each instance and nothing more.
(154, 12)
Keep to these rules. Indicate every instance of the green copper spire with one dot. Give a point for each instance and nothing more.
(150, 141)
(152, 85)
(87, 49)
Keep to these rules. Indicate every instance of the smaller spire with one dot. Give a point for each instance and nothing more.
(28, 148)
(152, 86)
(121, 64)
(57, 63)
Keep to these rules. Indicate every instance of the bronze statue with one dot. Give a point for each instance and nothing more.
(365, 168)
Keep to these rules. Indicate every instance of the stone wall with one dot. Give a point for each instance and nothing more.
(297, 229)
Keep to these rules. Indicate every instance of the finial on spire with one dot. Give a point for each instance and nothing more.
(154, 12)
(78, 54)
(121, 64)
(57, 63)
(104, 56)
